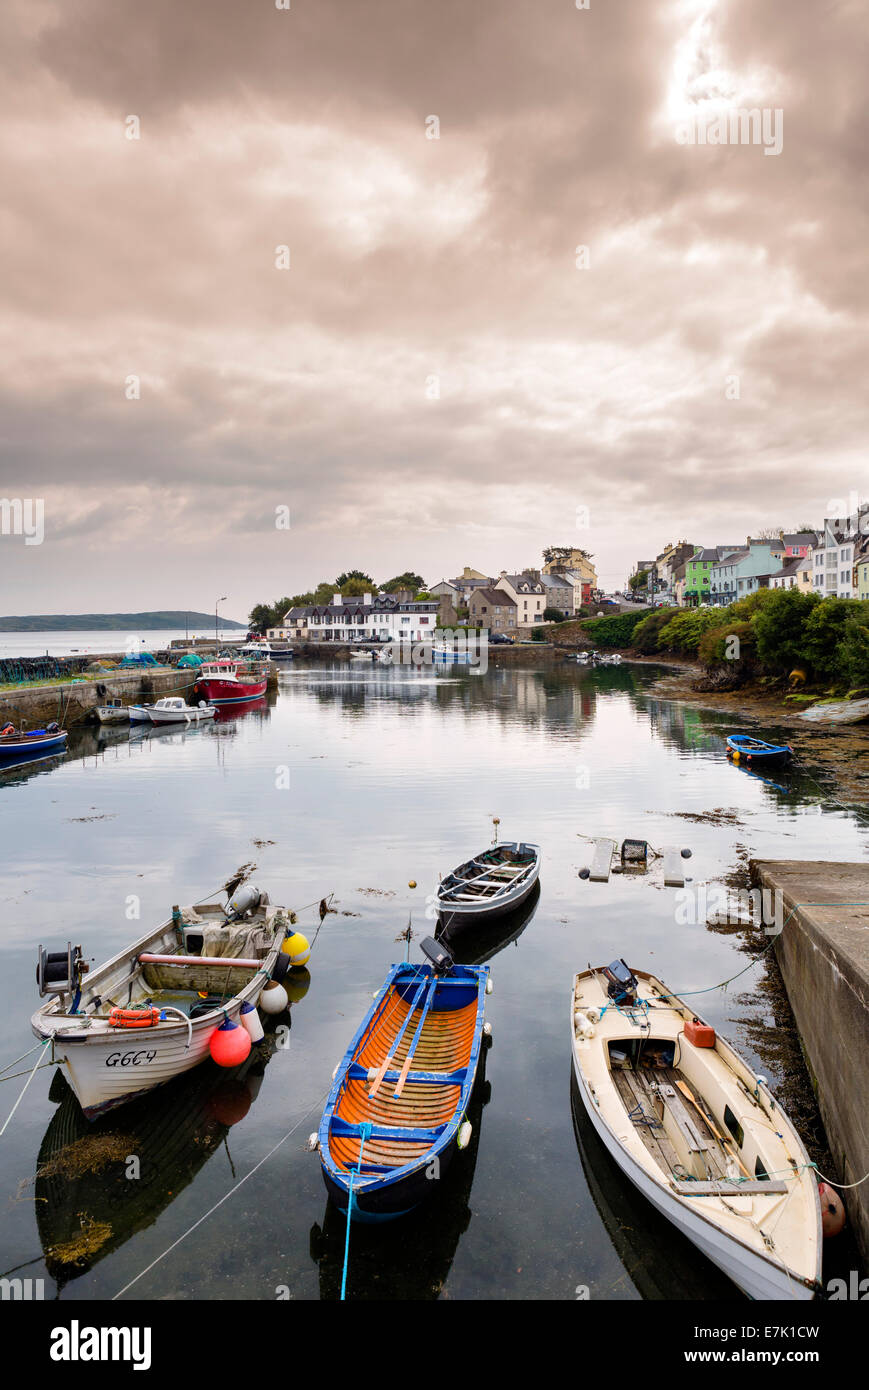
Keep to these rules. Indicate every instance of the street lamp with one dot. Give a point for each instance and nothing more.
(222, 599)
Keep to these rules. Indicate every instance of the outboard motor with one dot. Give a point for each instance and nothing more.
(60, 972)
(244, 900)
(442, 961)
(621, 983)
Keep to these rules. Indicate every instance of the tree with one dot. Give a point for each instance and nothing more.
(260, 618)
(408, 580)
(638, 581)
(553, 615)
(355, 588)
(555, 553)
(780, 628)
(353, 574)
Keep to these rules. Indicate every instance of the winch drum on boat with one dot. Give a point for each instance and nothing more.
(58, 972)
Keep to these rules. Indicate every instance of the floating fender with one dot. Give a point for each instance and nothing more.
(297, 947)
(273, 999)
(229, 1044)
(463, 1138)
(489, 985)
(281, 967)
(250, 1021)
(832, 1210)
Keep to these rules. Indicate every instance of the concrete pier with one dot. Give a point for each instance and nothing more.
(823, 954)
(71, 703)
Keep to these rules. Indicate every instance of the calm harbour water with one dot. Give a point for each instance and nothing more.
(393, 775)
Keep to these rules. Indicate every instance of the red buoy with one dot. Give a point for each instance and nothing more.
(832, 1210)
(229, 1044)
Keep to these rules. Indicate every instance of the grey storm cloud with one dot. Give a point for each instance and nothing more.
(433, 381)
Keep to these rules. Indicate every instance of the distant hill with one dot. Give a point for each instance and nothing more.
(89, 622)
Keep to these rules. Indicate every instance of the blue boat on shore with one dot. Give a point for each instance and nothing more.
(755, 750)
(18, 747)
(397, 1110)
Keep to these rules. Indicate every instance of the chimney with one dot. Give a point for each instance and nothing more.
(366, 598)
(337, 600)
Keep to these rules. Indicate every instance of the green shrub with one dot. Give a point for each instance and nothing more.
(538, 634)
(685, 629)
(824, 630)
(852, 651)
(612, 632)
(648, 630)
(780, 626)
(715, 646)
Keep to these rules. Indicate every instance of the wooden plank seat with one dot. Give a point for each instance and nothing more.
(729, 1189)
(355, 1072)
(342, 1129)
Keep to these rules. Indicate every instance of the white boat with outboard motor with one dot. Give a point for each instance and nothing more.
(693, 1128)
(153, 1010)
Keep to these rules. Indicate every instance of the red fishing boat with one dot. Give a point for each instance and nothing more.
(221, 682)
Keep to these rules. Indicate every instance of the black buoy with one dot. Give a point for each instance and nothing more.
(584, 873)
(686, 853)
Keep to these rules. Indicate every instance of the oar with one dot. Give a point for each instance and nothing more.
(429, 1000)
(378, 1080)
(701, 1110)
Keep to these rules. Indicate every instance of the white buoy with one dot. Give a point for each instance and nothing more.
(463, 1138)
(489, 985)
(274, 998)
(312, 1143)
(250, 1020)
(487, 1030)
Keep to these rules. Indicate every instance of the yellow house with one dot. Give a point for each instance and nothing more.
(861, 578)
(559, 559)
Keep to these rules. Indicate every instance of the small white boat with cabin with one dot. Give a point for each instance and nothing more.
(148, 1013)
(692, 1127)
(174, 709)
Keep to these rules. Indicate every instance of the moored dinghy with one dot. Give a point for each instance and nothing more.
(399, 1098)
(495, 882)
(696, 1131)
(149, 1013)
(755, 750)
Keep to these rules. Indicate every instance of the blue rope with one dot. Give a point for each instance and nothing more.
(365, 1131)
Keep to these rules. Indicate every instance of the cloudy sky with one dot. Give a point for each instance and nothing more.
(440, 376)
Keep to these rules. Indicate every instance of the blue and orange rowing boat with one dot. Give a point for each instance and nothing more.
(396, 1113)
(754, 750)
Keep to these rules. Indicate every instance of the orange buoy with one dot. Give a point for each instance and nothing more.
(229, 1044)
(832, 1210)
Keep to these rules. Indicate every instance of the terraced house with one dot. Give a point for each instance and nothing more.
(835, 557)
(528, 594)
(742, 570)
(698, 572)
(494, 609)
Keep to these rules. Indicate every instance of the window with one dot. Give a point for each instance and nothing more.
(734, 1126)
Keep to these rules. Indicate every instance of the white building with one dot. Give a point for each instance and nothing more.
(369, 618)
(528, 594)
(834, 556)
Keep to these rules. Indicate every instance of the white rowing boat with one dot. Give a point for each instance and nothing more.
(695, 1130)
(193, 970)
(483, 888)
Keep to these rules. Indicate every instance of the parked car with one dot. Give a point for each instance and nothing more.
(499, 639)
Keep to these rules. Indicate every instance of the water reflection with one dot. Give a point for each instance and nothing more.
(90, 1200)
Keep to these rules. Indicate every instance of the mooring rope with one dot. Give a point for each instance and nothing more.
(365, 1131)
(36, 1066)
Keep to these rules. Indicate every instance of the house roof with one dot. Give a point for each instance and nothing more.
(496, 597)
(523, 584)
